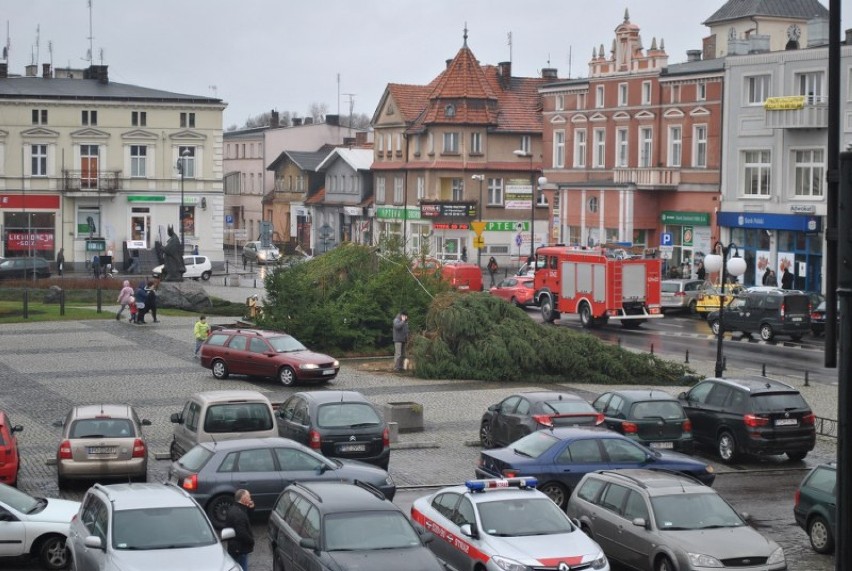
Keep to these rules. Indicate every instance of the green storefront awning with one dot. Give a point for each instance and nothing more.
(686, 218)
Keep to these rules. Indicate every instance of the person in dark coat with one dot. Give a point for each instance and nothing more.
(141, 303)
(151, 303)
(60, 261)
(96, 266)
(787, 279)
(400, 337)
(237, 518)
(700, 272)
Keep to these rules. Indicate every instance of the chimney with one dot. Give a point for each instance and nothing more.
(4, 70)
(549, 73)
(332, 120)
(98, 72)
(693, 55)
(848, 42)
(817, 32)
(361, 138)
(504, 70)
(449, 61)
(349, 142)
(309, 121)
(297, 121)
(30, 70)
(273, 118)
(45, 71)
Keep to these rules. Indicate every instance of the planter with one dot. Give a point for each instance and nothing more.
(407, 415)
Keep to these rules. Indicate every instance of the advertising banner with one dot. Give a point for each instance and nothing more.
(23, 241)
(761, 266)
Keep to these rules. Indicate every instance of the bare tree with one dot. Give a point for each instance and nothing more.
(318, 111)
(265, 120)
(356, 121)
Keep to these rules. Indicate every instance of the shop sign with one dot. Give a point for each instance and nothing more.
(29, 201)
(506, 226)
(146, 198)
(353, 210)
(795, 222)
(518, 196)
(685, 218)
(451, 226)
(782, 103)
(391, 213)
(24, 241)
(95, 245)
(448, 210)
(802, 208)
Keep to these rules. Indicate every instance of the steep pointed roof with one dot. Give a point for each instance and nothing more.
(738, 9)
(463, 78)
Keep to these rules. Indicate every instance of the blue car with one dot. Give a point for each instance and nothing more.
(559, 458)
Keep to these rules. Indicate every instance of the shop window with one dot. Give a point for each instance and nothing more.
(88, 221)
(189, 221)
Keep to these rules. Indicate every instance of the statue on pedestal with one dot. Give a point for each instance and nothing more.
(173, 251)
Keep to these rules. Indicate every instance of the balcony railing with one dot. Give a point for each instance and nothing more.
(81, 181)
(648, 178)
(796, 112)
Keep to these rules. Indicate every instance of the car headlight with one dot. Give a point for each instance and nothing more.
(776, 557)
(599, 561)
(336, 364)
(261, 256)
(309, 366)
(699, 560)
(508, 564)
(709, 468)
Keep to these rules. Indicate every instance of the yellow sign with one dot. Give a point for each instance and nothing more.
(478, 227)
(781, 103)
(479, 242)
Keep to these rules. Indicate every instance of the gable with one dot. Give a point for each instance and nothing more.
(558, 120)
(598, 117)
(673, 113)
(621, 116)
(579, 118)
(187, 135)
(644, 115)
(699, 112)
(89, 133)
(39, 132)
(139, 135)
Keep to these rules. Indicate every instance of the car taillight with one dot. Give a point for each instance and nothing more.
(314, 440)
(543, 419)
(139, 450)
(630, 427)
(65, 450)
(385, 438)
(510, 473)
(796, 497)
(809, 419)
(680, 294)
(783, 310)
(190, 483)
(599, 418)
(687, 425)
(753, 420)
(815, 315)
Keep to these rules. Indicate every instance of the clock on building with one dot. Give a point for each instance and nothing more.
(794, 32)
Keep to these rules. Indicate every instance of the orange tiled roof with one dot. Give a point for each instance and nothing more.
(409, 99)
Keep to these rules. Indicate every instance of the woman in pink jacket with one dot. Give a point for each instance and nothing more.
(124, 298)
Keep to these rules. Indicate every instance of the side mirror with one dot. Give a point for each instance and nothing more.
(427, 537)
(146, 422)
(682, 396)
(93, 542)
(176, 418)
(57, 423)
(17, 428)
(640, 522)
(469, 530)
(308, 543)
(228, 533)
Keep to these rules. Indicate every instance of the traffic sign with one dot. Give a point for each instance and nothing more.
(479, 242)
(229, 219)
(518, 240)
(666, 239)
(478, 227)
(665, 254)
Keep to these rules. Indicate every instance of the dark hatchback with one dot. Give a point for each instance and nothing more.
(342, 424)
(650, 417)
(757, 416)
(520, 414)
(815, 507)
(21, 268)
(560, 457)
(211, 472)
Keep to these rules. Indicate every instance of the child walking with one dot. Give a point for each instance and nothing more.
(133, 310)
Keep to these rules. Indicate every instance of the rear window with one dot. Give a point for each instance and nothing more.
(535, 444)
(568, 407)
(217, 339)
(101, 428)
(657, 409)
(238, 417)
(778, 402)
(195, 459)
(670, 287)
(797, 303)
(347, 415)
(822, 479)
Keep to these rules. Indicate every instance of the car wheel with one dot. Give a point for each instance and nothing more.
(205, 275)
(766, 332)
(514, 301)
(820, 535)
(220, 369)
(287, 376)
(727, 447)
(52, 552)
(485, 436)
(663, 564)
(714, 327)
(217, 509)
(693, 307)
(174, 453)
(585, 312)
(796, 456)
(61, 483)
(556, 492)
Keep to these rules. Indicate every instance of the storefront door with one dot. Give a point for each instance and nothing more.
(140, 228)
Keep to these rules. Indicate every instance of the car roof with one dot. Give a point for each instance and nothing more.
(322, 397)
(757, 384)
(640, 394)
(549, 395)
(94, 410)
(145, 495)
(258, 332)
(657, 482)
(497, 494)
(682, 280)
(229, 396)
(247, 443)
(344, 497)
(563, 432)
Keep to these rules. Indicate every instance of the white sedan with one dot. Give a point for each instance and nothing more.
(196, 267)
(35, 526)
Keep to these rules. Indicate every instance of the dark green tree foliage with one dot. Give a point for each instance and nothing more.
(478, 336)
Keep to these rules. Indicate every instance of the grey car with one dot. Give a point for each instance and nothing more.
(679, 294)
(257, 253)
(664, 521)
(145, 526)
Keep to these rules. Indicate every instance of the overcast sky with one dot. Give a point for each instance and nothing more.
(286, 54)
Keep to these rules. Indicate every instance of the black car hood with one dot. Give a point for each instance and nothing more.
(408, 558)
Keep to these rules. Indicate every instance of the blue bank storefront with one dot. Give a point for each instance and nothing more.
(775, 242)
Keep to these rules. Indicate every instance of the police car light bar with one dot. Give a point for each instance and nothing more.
(495, 484)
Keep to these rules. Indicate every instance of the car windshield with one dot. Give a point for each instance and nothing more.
(195, 459)
(534, 444)
(703, 510)
(568, 406)
(101, 428)
(161, 528)
(238, 417)
(664, 409)
(286, 344)
(514, 518)
(368, 531)
(778, 402)
(18, 500)
(347, 415)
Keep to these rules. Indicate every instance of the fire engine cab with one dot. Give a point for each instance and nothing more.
(598, 284)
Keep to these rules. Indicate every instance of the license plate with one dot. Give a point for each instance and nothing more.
(353, 448)
(328, 371)
(662, 445)
(797, 319)
(786, 422)
(101, 450)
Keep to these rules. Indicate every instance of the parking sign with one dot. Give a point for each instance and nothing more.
(666, 239)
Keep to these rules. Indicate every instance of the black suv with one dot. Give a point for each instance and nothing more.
(653, 418)
(768, 311)
(815, 507)
(342, 424)
(335, 526)
(750, 416)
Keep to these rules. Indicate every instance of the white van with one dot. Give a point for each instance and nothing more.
(221, 415)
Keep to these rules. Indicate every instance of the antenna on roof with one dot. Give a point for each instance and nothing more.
(91, 35)
(8, 47)
(50, 52)
(37, 43)
(351, 97)
(569, 61)
(101, 54)
(509, 42)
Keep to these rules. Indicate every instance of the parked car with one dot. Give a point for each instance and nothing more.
(650, 417)
(255, 252)
(462, 276)
(818, 319)
(212, 471)
(768, 311)
(815, 506)
(709, 297)
(37, 527)
(145, 526)
(649, 519)
(196, 267)
(22, 268)
(335, 526)
(508, 524)
(519, 291)
(102, 441)
(10, 460)
(341, 424)
(520, 414)
(750, 416)
(262, 353)
(680, 294)
(560, 457)
(213, 416)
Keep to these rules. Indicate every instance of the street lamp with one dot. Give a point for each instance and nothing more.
(736, 267)
(480, 178)
(181, 167)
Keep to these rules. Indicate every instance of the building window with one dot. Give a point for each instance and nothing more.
(560, 103)
(416, 139)
(88, 221)
(89, 117)
(476, 143)
(526, 144)
(380, 143)
(89, 166)
(398, 190)
(581, 101)
(622, 95)
(39, 116)
(421, 188)
(39, 160)
(810, 172)
(811, 86)
(430, 141)
(138, 161)
(388, 144)
(189, 221)
(599, 97)
(700, 91)
(457, 190)
(756, 172)
(675, 146)
(621, 148)
(600, 149)
(580, 148)
(757, 89)
(451, 143)
(559, 149)
(380, 190)
(450, 110)
(646, 147)
(699, 146)
(186, 156)
(495, 192)
(139, 118)
(399, 143)
(187, 120)
(675, 94)
(646, 93)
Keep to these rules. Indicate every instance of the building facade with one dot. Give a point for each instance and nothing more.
(344, 214)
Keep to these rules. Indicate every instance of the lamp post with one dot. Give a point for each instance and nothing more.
(181, 167)
(523, 153)
(736, 267)
(480, 178)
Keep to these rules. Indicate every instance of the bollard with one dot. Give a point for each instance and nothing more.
(100, 298)
(393, 432)
(687, 356)
(763, 370)
(724, 363)
(619, 342)
(652, 348)
(62, 302)
(26, 304)
(255, 283)
(227, 267)
(807, 384)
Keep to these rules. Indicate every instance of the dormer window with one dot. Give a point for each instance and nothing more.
(450, 110)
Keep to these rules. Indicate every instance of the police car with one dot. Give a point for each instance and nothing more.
(504, 525)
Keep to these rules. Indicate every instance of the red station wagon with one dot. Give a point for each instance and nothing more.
(10, 462)
(265, 354)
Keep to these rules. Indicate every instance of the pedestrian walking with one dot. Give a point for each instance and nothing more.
(134, 262)
(700, 272)
(141, 303)
(237, 518)
(400, 337)
(134, 311)
(787, 278)
(464, 254)
(96, 266)
(770, 279)
(492, 269)
(60, 261)
(195, 250)
(200, 331)
(151, 303)
(124, 297)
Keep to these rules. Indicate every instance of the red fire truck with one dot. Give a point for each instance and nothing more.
(598, 284)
